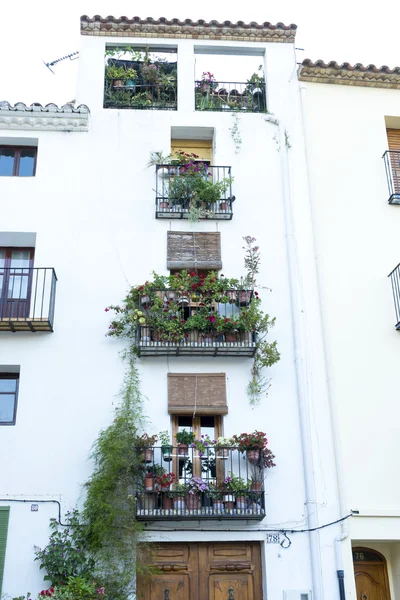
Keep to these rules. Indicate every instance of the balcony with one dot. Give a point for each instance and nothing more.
(145, 96)
(181, 483)
(395, 280)
(392, 167)
(183, 324)
(230, 96)
(179, 194)
(27, 299)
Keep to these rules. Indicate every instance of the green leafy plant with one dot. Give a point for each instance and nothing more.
(185, 437)
(165, 438)
(66, 553)
(145, 440)
(236, 485)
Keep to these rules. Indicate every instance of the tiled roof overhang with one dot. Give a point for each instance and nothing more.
(346, 74)
(49, 118)
(187, 29)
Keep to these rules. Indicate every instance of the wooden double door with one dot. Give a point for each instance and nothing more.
(205, 571)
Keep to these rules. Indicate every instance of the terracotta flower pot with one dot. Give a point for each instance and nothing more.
(118, 83)
(246, 337)
(229, 500)
(163, 205)
(183, 449)
(256, 486)
(231, 296)
(148, 483)
(167, 502)
(241, 502)
(231, 337)
(244, 298)
(223, 206)
(253, 455)
(193, 501)
(147, 455)
(218, 505)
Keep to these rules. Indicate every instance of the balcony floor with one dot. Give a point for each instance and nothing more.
(25, 324)
(201, 513)
(246, 349)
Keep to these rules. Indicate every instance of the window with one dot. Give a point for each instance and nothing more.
(19, 161)
(4, 516)
(15, 281)
(8, 398)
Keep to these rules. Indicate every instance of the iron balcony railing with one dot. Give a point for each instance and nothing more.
(170, 330)
(392, 167)
(395, 280)
(27, 299)
(120, 93)
(182, 482)
(171, 206)
(230, 96)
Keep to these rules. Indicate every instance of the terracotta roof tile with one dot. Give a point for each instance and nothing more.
(347, 74)
(175, 28)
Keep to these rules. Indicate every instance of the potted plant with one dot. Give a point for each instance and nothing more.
(228, 496)
(163, 483)
(214, 493)
(223, 446)
(145, 443)
(203, 446)
(196, 486)
(207, 82)
(179, 495)
(240, 489)
(252, 444)
(184, 439)
(166, 446)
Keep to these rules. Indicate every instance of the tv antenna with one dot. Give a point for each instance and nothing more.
(54, 62)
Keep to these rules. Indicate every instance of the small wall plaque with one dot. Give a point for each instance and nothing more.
(34, 507)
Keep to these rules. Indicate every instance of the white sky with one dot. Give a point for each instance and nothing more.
(345, 30)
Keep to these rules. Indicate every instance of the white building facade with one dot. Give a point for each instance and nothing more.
(352, 129)
(85, 224)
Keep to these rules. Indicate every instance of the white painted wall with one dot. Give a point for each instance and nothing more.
(92, 207)
(357, 235)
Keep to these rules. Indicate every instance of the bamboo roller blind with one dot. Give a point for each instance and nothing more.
(202, 393)
(191, 250)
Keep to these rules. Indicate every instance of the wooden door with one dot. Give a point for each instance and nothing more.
(15, 282)
(370, 573)
(393, 136)
(204, 572)
(230, 572)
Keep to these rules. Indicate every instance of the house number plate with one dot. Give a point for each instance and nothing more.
(273, 538)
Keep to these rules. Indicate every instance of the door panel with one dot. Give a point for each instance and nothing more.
(15, 282)
(204, 572)
(370, 582)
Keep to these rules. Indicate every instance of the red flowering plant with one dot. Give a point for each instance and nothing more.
(165, 480)
(208, 79)
(256, 441)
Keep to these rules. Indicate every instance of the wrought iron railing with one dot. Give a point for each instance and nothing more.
(395, 280)
(27, 299)
(392, 168)
(171, 206)
(230, 96)
(120, 93)
(201, 486)
(217, 328)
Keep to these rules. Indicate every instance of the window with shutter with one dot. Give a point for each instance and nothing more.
(197, 393)
(4, 516)
(393, 136)
(192, 250)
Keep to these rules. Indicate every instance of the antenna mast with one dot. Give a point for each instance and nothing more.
(54, 62)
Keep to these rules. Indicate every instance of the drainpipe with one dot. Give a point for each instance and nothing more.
(301, 378)
(326, 346)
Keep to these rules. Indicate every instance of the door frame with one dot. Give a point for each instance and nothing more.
(369, 563)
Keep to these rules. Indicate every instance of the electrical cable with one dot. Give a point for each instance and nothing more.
(36, 501)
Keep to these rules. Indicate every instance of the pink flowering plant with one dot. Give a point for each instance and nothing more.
(203, 445)
(196, 485)
(209, 79)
